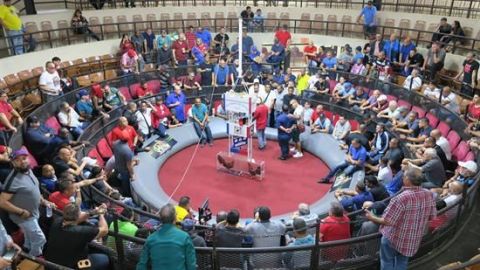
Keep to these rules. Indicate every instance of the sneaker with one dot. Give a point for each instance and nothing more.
(298, 155)
(293, 149)
(324, 181)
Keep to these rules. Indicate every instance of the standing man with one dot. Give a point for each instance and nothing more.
(297, 116)
(285, 126)
(369, 13)
(124, 163)
(180, 51)
(220, 73)
(176, 103)
(49, 83)
(21, 198)
(469, 71)
(169, 247)
(200, 122)
(404, 222)
(12, 23)
(261, 116)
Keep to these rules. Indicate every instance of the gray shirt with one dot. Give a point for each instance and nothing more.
(25, 192)
(434, 172)
(441, 55)
(279, 101)
(123, 155)
(266, 234)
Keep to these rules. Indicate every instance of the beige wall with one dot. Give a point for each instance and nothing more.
(28, 61)
(295, 13)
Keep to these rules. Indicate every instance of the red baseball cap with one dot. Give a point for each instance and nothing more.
(131, 53)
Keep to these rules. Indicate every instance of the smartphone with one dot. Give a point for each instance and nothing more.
(10, 254)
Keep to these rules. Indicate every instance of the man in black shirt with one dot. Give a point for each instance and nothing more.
(205, 69)
(378, 190)
(443, 29)
(415, 60)
(68, 240)
(228, 233)
(469, 72)
(247, 16)
(221, 40)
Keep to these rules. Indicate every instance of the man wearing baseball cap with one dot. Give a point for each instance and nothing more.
(21, 198)
(465, 175)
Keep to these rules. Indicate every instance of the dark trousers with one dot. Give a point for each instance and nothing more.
(124, 184)
(284, 146)
(433, 69)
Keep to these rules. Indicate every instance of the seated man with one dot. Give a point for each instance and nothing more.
(379, 144)
(377, 189)
(344, 93)
(265, 232)
(451, 195)
(304, 213)
(229, 233)
(69, 238)
(112, 98)
(342, 129)
(69, 191)
(335, 227)
(358, 98)
(300, 237)
(191, 83)
(200, 122)
(70, 119)
(352, 200)
(408, 126)
(413, 82)
(38, 139)
(84, 105)
(371, 101)
(48, 178)
(431, 167)
(354, 161)
(391, 114)
(430, 142)
(424, 130)
(322, 125)
(465, 175)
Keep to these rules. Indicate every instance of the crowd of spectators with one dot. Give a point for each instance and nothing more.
(429, 181)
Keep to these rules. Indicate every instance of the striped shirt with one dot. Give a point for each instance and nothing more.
(408, 213)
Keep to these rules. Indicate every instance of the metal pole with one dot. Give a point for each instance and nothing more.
(240, 49)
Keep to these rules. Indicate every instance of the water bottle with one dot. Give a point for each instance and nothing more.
(49, 211)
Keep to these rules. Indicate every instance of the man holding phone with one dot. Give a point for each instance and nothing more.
(8, 249)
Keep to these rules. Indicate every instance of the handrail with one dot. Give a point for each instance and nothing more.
(458, 8)
(338, 28)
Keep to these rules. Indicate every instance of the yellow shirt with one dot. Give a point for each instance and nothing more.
(9, 18)
(181, 213)
(302, 83)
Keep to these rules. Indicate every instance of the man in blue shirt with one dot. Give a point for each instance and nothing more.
(369, 13)
(176, 103)
(329, 64)
(391, 48)
(204, 35)
(220, 73)
(277, 54)
(247, 42)
(149, 39)
(284, 131)
(84, 105)
(405, 48)
(200, 122)
(169, 247)
(352, 200)
(355, 160)
(38, 139)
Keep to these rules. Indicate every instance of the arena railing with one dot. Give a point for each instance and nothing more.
(433, 240)
(458, 8)
(64, 36)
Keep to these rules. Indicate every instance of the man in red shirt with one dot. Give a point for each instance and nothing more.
(144, 90)
(261, 116)
(191, 82)
(310, 52)
(127, 131)
(7, 114)
(66, 190)
(284, 36)
(160, 117)
(180, 50)
(316, 114)
(190, 37)
(335, 227)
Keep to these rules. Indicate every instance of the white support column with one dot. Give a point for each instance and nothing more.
(240, 48)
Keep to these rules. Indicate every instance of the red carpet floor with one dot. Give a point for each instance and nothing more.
(285, 185)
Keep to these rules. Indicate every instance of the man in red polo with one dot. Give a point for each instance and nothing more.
(318, 111)
(123, 129)
(180, 50)
(66, 190)
(7, 113)
(191, 82)
(335, 227)
(143, 90)
(261, 116)
(190, 37)
(283, 36)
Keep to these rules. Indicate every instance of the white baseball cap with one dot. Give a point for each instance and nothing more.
(256, 81)
(469, 165)
(382, 97)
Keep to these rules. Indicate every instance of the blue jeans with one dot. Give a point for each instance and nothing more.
(262, 138)
(375, 157)
(161, 131)
(204, 136)
(16, 41)
(312, 67)
(347, 168)
(391, 259)
(77, 131)
(34, 237)
(99, 261)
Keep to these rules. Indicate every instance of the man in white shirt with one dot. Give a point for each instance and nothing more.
(298, 116)
(49, 83)
(313, 80)
(70, 119)
(413, 82)
(431, 91)
(342, 129)
(442, 142)
(257, 90)
(144, 118)
(449, 100)
(269, 100)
